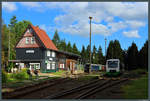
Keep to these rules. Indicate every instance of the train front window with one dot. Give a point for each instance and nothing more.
(112, 64)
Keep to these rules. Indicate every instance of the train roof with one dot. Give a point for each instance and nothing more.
(113, 60)
(93, 64)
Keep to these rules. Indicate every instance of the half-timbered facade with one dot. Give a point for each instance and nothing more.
(35, 50)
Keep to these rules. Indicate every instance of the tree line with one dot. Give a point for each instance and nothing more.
(130, 58)
(15, 30)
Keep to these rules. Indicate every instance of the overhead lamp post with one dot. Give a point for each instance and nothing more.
(90, 44)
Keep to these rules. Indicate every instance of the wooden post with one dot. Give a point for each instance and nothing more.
(90, 45)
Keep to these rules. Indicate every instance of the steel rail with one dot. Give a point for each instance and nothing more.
(98, 88)
(28, 90)
(79, 88)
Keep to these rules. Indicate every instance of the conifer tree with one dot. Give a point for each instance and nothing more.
(100, 56)
(56, 39)
(69, 47)
(74, 49)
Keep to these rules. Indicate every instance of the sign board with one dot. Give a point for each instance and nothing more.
(51, 59)
(29, 51)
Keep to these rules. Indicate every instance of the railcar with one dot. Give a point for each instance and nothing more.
(113, 67)
(94, 67)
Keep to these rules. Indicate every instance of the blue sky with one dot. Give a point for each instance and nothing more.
(124, 21)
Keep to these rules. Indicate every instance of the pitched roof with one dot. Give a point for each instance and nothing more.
(44, 38)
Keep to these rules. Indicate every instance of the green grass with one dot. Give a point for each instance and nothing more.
(137, 89)
(138, 71)
(87, 77)
(19, 83)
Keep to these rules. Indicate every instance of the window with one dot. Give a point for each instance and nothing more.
(53, 54)
(112, 64)
(48, 66)
(27, 31)
(30, 30)
(48, 53)
(37, 66)
(53, 65)
(32, 40)
(61, 65)
(34, 66)
(27, 40)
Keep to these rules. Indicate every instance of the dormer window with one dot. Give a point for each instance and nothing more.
(32, 40)
(27, 31)
(27, 40)
(30, 30)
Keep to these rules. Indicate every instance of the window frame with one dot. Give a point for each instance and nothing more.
(53, 54)
(53, 65)
(30, 30)
(32, 40)
(27, 40)
(48, 66)
(48, 53)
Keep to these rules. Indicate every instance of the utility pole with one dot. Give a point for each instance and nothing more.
(105, 49)
(90, 44)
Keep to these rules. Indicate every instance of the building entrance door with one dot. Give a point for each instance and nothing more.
(32, 67)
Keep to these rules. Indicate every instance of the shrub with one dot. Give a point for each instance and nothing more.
(21, 75)
(4, 76)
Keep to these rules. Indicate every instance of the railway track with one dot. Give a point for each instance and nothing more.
(81, 87)
(86, 90)
(32, 88)
(99, 88)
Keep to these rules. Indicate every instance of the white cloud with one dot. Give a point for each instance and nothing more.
(131, 34)
(128, 11)
(135, 24)
(75, 17)
(101, 11)
(115, 26)
(46, 28)
(101, 29)
(109, 19)
(31, 4)
(83, 29)
(36, 6)
(9, 6)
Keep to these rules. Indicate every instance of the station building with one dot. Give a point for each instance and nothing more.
(35, 50)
